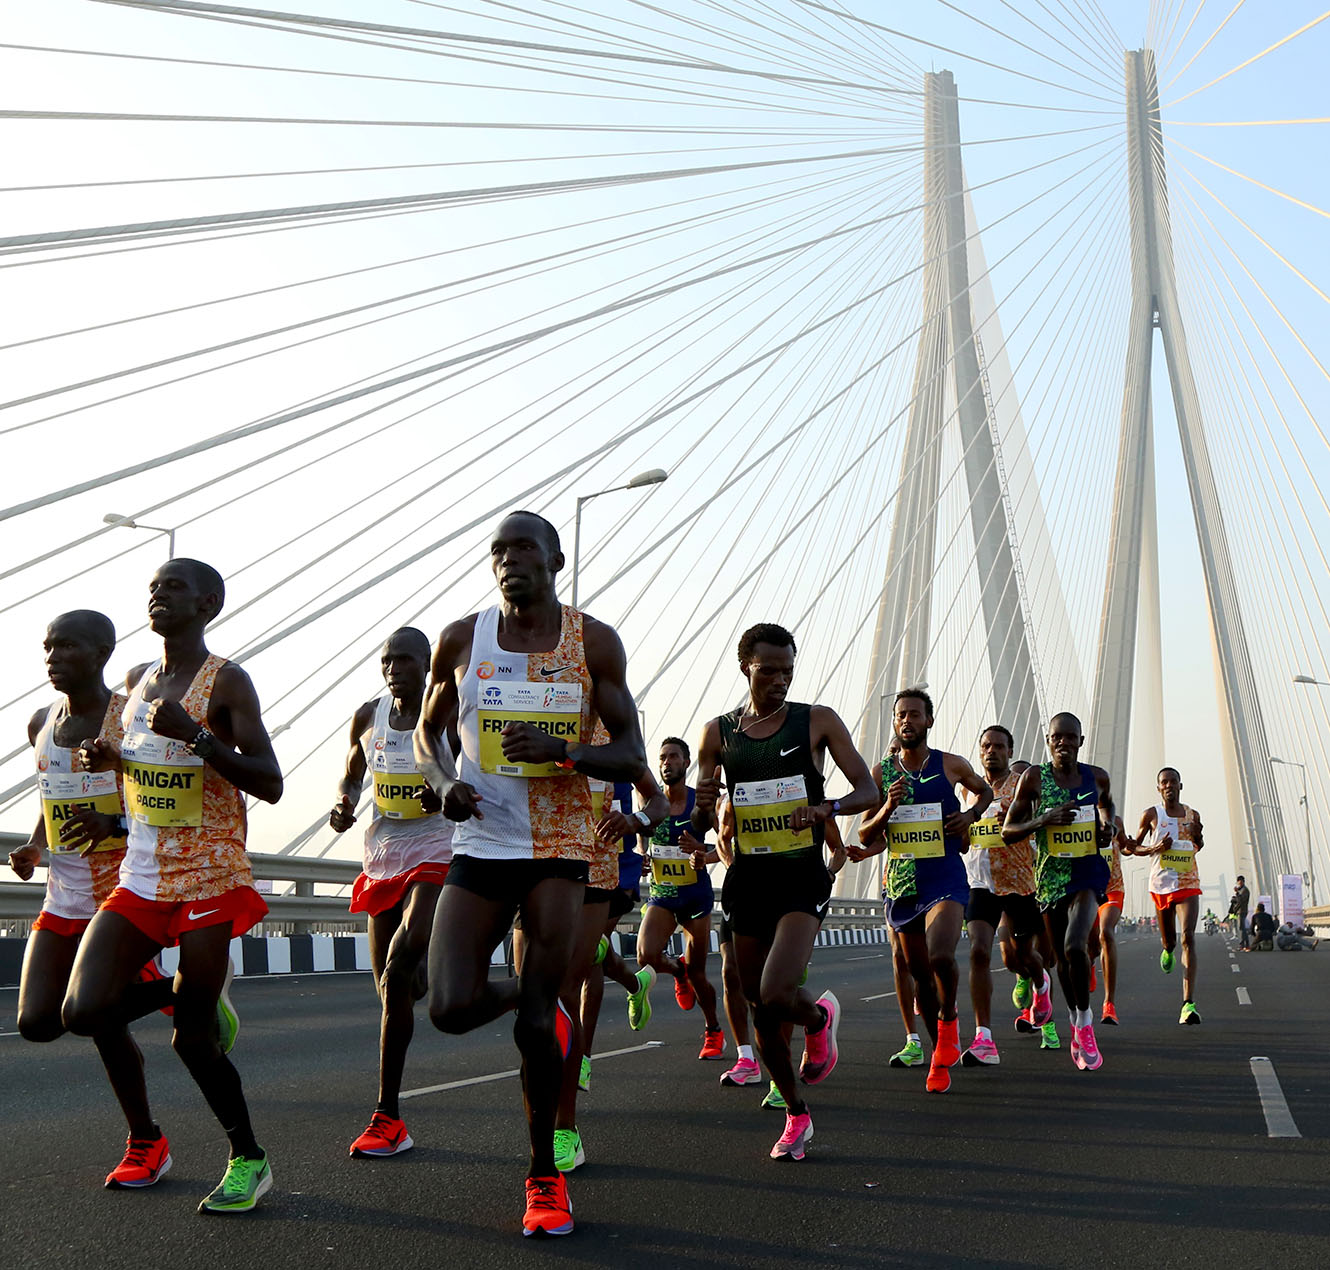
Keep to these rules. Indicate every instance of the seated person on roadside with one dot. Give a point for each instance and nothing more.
(1262, 929)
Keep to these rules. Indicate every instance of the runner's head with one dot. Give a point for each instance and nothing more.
(1169, 784)
(1064, 738)
(766, 657)
(78, 645)
(995, 746)
(184, 593)
(405, 663)
(674, 760)
(912, 716)
(525, 556)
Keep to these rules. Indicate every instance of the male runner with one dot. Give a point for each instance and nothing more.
(771, 752)
(1110, 913)
(194, 745)
(1176, 835)
(1068, 806)
(408, 845)
(918, 820)
(523, 683)
(1001, 885)
(82, 824)
(680, 895)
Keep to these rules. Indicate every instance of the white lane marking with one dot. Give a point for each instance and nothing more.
(1244, 997)
(493, 1076)
(881, 996)
(874, 957)
(1235, 968)
(1278, 1118)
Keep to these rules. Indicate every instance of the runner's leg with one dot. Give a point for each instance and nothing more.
(697, 947)
(407, 947)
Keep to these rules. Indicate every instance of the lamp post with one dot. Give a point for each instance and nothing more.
(126, 522)
(652, 477)
(1307, 820)
(1307, 679)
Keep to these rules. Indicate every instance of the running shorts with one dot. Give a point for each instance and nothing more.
(509, 881)
(757, 894)
(164, 921)
(1167, 901)
(378, 895)
(1021, 911)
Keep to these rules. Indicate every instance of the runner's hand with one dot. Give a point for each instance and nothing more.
(430, 802)
(93, 755)
(615, 825)
(343, 815)
(1063, 815)
(526, 743)
(958, 823)
(1163, 844)
(87, 830)
(23, 860)
(866, 851)
(461, 802)
(708, 791)
(170, 719)
(806, 817)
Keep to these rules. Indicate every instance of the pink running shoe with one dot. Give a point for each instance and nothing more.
(1043, 1001)
(820, 1051)
(745, 1072)
(1087, 1055)
(798, 1134)
(982, 1053)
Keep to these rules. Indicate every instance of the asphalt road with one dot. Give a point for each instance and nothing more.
(1161, 1157)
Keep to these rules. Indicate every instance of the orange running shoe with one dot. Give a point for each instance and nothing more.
(1110, 1014)
(385, 1136)
(683, 992)
(713, 1044)
(146, 1159)
(548, 1208)
(947, 1051)
(939, 1076)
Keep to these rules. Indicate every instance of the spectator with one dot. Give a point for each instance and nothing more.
(1290, 938)
(1237, 909)
(1262, 930)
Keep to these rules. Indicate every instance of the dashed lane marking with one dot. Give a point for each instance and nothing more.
(493, 1076)
(1278, 1118)
(1244, 997)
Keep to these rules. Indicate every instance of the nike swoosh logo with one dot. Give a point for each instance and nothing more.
(923, 780)
(546, 672)
(207, 912)
(1083, 797)
(786, 753)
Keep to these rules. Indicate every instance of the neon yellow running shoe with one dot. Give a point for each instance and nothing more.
(1048, 1039)
(568, 1153)
(1166, 962)
(912, 1055)
(601, 949)
(639, 1002)
(584, 1077)
(774, 1100)
(241, 1187)
(1190, 1014)
(1023, 993)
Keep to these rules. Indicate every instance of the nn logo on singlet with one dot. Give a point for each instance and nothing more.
(488, 670)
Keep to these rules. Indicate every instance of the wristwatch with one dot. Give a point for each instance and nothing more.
(566, 762)
(642, 819)
(204, 744)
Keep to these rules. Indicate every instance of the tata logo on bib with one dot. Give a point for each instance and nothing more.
(485, 670)
(491, 695)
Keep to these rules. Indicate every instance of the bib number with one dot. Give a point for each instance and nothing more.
(986, 834)
(1178, 858)
(1069, 842)
(554, 708)
(671, 867)
(163, 782)
(762, 815)
(65, 794)
(914, 832)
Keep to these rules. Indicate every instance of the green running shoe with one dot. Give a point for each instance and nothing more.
(1166, 962)
(584, 1078)
(911, 1056)
(228, 1021)
(241, 1186)
(601, 949)
(1190, 1014)
(1048, 1039)
(568, 1153)
(774, 1101)
(803, 978)
(1023, 993)
(639, 1002)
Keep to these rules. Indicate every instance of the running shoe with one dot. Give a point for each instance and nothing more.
(939, 1076)
(385, 1136)
(1043, 1002)
(1025, 1020)
(947, 1051)
(1166, 962)
(683, 992)
(1076, 1046)
(146, 1159)
(1087, 1055)
(982, 1053)
(241, 1187)
(713, 1044)
(803, 978)
(1048, 1039)
(639, 1002)
(584, 1076)
(548, 1208)
(1109, 1014)
(602, 948)
(563, 1028)
(820, 1049)
(912, 1055)
(798, 1134)
(745, 1072)
(1022, 993)
(1190, 1014)
(228, 1021)
(775, 1100)
(568, 1153)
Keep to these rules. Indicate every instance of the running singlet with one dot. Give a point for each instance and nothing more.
(1067, 858)
(1175, 869)
(619, 797)
(75, 884)
(991, 864)
(768, 778)
(532, 811)
(672, 874)
(186, 821)
(401, 835)
(921, 860)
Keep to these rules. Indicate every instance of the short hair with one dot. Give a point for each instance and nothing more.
(551, 534)
(96, 626)
(764, 633)
(997, 727)
(1260, 908)
(419, 641)
(681, 743)
(916, 694)
(1066, 714)
(1162, 770)
(1241, 878)
(206, 579)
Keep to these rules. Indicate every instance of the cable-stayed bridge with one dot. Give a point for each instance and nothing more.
(325, 291)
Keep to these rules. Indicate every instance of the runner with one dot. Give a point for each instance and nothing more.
(1110, 913)
(522, 683)
(771, 752)
(82, 822)
(194, 744)
(924, 884)
(1068, 807)
(1001, 889)
(408, 845)
(681, 896)
(1176, 835)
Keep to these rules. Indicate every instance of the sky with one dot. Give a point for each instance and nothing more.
(773, 387)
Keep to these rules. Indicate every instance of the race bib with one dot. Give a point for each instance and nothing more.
(671, 867)
(163, 781)
(554, 708)
(986, 833)
(1178, 857)
(598, 796)
(762, 812)
(66, 793)
(1079, 838)
(914, 832)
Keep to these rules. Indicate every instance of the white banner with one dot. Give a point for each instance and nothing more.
(1290, 898)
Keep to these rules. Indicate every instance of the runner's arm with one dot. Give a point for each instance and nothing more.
(242, 752)
(959, 772)
(1106, 825)
(1021, 821)
(829, 732)
(23, 860)
(438, 724)
(624, 757)
(343, 813)
(836, 844)
(709, 773)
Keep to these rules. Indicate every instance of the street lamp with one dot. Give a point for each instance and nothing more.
(1307, 679)
(126, 522)
(1307, 819)
(652, 477)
